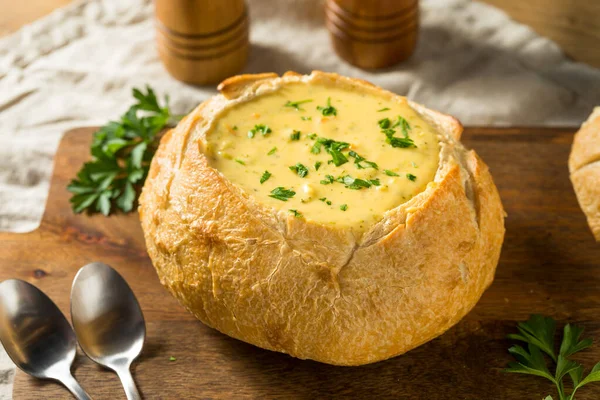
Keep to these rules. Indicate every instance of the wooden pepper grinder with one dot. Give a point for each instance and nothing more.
(202, 41)
(373, 33)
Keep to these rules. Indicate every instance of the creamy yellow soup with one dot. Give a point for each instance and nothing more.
(325, 154)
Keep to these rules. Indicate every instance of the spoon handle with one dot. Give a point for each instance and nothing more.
(131, 390)
(75, 388)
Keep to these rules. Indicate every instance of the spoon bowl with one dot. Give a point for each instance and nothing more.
(108, 321)
(36, 335)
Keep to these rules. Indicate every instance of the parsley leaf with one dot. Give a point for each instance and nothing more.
(401, 142)
(324, 200)
(296, 104)
(237, 160)
(266, 175)
(329, 110)
(328, 180)
(384, 123)
(344, 207)
(295, 135)
(390, 173)
(403, 124)
(296, 213)
(538, 334)
(281, 193)
(260, 128)
(303, 118)
(121, 154)
(383, 109)
(387, 129)
(359, 159)
(272, 151)
(354, 183)
(332, 147)
(411, 177)
(318, 165)
(299, 169)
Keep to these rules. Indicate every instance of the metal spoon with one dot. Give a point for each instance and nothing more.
(36, 335)
(108, 321)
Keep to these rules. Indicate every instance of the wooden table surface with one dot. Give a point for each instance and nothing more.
(573, 24)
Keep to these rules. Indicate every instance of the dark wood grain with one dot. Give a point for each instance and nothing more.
(550, 264)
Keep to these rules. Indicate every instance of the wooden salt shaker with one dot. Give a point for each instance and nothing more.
(202, 41)
(373, 33)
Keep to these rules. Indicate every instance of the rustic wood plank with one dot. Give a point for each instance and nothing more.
(550, 264)
(15, 14)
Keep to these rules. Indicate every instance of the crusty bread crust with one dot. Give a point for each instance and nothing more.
(584, 167)
(316, 292)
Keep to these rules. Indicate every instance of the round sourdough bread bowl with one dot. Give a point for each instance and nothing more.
(312, 290)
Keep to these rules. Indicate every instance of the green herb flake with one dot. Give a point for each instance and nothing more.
(324, 200)
(361, 162)
(299, 169)
(354, 183)
(344, 207)
(414, 165)
(375, 182)
(295, 136)
(328, 180)
(384, 123)
(272, 151)
(235, 128)
(383, 109)
(296, 104)
(318, 165)
(265, 176)
(329, 110)
(411, 177)
(172, 358)
(403, 124)
(296, 213)
(390, 173)
(401, 142)
(281, 193)
(237, 160)
(261, 128)
(303, 118)
(312, 136)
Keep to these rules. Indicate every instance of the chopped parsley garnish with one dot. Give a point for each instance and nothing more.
(295, 135)
(272, 151)
(387, 129)
(390, 173)
(318, 165)
(401, 142)
(296, 104)
(266, 175)
(354, 183)
(172, 358)
(333, 148)
(324, 200)
(261, 128)
(384, 123)
(329, 110)
(375, 182)
(403, 124)
(344, 207)
(328, 180)
(414, 165)
(303, 118)
(237, 160)
(300, 169)
(281, 193)
(383, 109)
(296, 213)
(312, 136)
(411, 177)
(235, 128)
(359, 159)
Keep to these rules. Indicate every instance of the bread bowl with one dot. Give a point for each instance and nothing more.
(584, 168)
(323, 285)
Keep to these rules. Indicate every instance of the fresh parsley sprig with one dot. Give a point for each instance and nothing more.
(538, 333)
(121, 154)
(329, 110)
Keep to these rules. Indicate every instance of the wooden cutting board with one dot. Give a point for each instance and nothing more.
(550, 265)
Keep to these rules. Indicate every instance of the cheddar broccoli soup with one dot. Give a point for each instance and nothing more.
(325, 154)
